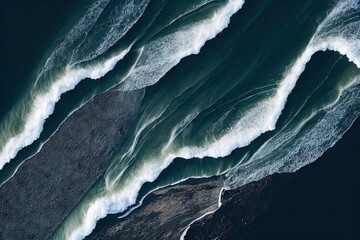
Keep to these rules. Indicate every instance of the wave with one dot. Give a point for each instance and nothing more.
(83, 42)
(332, 35)
(309, 145)
(64, 50)
(260, 118)
(118, 20)
(75, 41)
(44, 104)
(159, 56)
(200, 33)
(61, 63)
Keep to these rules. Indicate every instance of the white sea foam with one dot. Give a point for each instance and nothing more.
(74, 48)
(260, 118)
(188, 41)
(305, 147)
(105, 33)
(128, 211)
(44, 104)
(67, 48)
(160, 55)
(40, 147)
(249, 172)
(84, 43)
(118, 200)
(273, 156)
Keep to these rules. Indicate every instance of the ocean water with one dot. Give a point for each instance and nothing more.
(241, 88)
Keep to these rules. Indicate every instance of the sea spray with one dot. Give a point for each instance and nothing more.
(159, 56)
(332, 34)
(309, 145)
(260, 118)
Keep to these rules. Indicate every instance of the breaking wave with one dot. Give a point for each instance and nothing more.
(126, 176)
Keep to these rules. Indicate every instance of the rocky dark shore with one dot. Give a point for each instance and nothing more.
(165, 213)
(320, 201)
(49, 185)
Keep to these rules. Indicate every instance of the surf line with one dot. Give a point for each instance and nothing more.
(120, 200)
(44, 104)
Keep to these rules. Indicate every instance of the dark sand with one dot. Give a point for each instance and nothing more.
(49, 185)
(165, 213)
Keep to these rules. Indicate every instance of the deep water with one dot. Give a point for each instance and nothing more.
(241, 88)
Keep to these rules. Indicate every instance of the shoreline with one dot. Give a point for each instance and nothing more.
(176, 205)
(319, 200)
(245, 210)
(50, 184)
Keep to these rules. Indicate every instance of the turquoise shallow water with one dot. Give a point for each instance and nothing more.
(243, 88)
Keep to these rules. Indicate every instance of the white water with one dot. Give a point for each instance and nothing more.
(191, 39)
(119, 201)
(275, 156)
(66, 49)
(159, 56)
(308, 146)
(44, 104)
(261, 118)
(271, 157)
(74, 48)
(105, 33)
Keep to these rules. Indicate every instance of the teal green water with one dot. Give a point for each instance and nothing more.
(243, 88)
